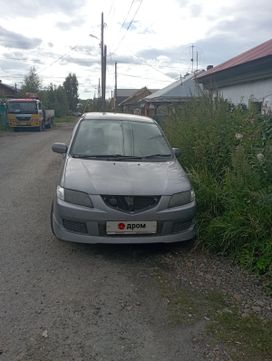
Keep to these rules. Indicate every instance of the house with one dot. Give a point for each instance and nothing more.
(6, 91)
(245, 78)
(123, 94)
(159, 103)
(133, 104)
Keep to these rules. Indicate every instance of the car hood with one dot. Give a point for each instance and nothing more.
(124, 178)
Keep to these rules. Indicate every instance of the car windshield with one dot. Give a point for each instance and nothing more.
(120, 139)
(22, 107)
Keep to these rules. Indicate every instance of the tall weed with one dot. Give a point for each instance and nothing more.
(227, 152)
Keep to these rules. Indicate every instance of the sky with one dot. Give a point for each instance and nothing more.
(152, 41)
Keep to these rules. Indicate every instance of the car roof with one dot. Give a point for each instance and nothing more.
(117, 116)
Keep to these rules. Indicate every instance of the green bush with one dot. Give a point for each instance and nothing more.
(227, 152)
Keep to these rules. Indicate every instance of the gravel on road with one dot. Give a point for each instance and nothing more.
(61, 301)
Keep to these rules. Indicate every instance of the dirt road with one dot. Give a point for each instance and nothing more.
(63, 301)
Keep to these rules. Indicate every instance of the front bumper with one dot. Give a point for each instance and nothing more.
(75, 223)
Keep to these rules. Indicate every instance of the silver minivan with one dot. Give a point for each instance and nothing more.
(121, 183)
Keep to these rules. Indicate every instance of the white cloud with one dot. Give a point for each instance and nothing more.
(54, 36)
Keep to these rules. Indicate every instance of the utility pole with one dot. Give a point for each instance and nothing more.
(192, 58)
(115, 87)
(99, 89)
(104, 79)
(102, 63)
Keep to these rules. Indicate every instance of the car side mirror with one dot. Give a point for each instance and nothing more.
(59, 148)
(177, 151)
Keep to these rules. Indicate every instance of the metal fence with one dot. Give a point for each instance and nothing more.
(3, 116)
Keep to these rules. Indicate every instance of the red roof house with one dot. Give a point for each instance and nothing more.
(246, 77)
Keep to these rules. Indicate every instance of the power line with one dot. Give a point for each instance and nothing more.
(57, 60)
(142, 77)
(143, 62)
(12, 58)
(111, 8)
(132, 2)
(136, 12)
(12, 76)
(129, 25)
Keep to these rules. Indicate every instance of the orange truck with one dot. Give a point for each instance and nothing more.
(29, 113)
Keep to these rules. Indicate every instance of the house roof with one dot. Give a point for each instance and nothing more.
(261, 51)
(7, 86)
(126, 92)
(183, 88)
(137, 96)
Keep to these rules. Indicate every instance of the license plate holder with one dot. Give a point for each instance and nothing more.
(134, 227)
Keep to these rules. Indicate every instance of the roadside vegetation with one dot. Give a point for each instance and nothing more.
(65, 119)
(62, 98)
(240, 337)
(227, 152)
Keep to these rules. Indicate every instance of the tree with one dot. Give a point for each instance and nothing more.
(61, 101)
(71, 89)
(32, 82)
(55, 98)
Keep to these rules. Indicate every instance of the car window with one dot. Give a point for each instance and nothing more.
(124, 138)
(98, 138)
(22, 107)
(148, 140)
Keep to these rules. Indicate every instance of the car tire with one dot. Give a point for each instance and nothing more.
(41, 127)
(51, 220)
(51, 123)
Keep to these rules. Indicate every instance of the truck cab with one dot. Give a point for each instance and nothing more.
(28, 113)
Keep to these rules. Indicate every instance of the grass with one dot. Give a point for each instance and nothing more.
(227, 152)
(65, 119)
(244, 338)
(187, 306)
(247, 338)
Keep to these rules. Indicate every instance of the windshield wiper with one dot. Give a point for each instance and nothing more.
(158, 155)
(104, 156)
(82, 156)
(119, 156)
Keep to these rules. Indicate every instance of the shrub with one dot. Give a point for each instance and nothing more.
(227, 152)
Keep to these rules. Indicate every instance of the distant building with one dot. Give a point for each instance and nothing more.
(6, 91)
(123, 94)
(134, 103)
(244, 78)
(159, 103)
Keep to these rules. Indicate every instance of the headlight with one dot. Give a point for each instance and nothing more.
(75, 197)
(179, 199)
(60, 193)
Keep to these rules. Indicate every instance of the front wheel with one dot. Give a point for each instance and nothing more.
(51, 220)
(51, 123)
(41, 127)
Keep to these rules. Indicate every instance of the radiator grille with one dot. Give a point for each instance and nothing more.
(131, 204)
